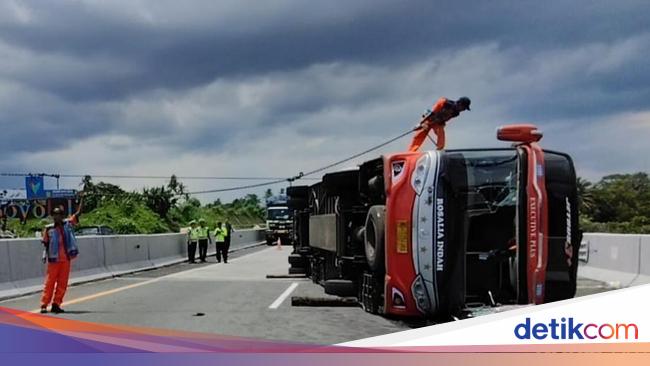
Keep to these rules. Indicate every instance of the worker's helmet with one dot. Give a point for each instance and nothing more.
(463, 103)
(192, 222)
(201, 221)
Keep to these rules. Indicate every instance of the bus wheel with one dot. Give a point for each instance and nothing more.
(374, 238)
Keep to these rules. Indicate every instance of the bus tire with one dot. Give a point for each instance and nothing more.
(374, 238)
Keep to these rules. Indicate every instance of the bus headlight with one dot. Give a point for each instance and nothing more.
(419, 291)
(419, 176)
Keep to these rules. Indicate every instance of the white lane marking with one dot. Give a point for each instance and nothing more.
(135, 285)
(591, 287)
(276, 304)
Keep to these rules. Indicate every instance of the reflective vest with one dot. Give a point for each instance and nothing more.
(228, 230)
(53, 244)
(220, 234)
(194, 234)
(202, 232)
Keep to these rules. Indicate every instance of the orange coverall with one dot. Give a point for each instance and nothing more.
(435, 124)
(58, 272)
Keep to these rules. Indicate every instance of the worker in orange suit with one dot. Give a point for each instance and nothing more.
(443, 111)
(60, 248)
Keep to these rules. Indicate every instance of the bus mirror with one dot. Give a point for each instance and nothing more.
(524, 133)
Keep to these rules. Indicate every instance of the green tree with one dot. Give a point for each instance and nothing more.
(162, 199)
(621, 198)
(96, 194)
(159, 199)
(585, 196)
(177, 187)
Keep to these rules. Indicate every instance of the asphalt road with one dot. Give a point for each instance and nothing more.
(231, 299)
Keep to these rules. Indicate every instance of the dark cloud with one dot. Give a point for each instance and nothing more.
(213, 78)
(32, 121)
(212, 40)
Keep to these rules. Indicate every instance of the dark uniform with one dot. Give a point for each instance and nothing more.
(203, 237)
(192, 241)
(229, 231)
(220, 243)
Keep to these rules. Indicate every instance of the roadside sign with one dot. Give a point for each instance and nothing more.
(60, 193)
(12, 194)
(35, 202)
(35, 187)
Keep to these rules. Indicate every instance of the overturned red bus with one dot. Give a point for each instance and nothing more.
(428, 233)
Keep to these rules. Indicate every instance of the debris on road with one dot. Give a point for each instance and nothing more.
(348, 302)
(279, 276)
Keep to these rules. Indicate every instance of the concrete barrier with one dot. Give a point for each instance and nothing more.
(166, 249)
(137, 253)
(619, 259)
(6, 284)
(90, 266)
(644, 261)
(22, 270)
(27, 268)
(132, 253)
(115, 258)
(243, 237)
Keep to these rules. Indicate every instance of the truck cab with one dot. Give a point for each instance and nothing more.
(279, 220)
(429, 234)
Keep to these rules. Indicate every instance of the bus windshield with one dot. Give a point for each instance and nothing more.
(490, 177)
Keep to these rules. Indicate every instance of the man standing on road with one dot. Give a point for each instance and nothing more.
(193, 239)
(220, 241)
(203, 237)
(229, 231)
(60, 248)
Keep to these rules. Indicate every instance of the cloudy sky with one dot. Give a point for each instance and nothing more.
(271, 88)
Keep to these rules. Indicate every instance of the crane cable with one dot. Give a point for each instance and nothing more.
(136, 176)
(301, 174)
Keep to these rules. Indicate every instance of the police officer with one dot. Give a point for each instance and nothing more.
(229, 231)
(203, 237)
(220, 242)
(193, 239)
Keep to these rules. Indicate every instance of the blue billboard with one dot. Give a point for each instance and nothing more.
(35, 187)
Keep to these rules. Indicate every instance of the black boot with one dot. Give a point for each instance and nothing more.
(44, 309)
(56, 309)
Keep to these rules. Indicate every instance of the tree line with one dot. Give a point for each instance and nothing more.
(618, 203)
(151, 210)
